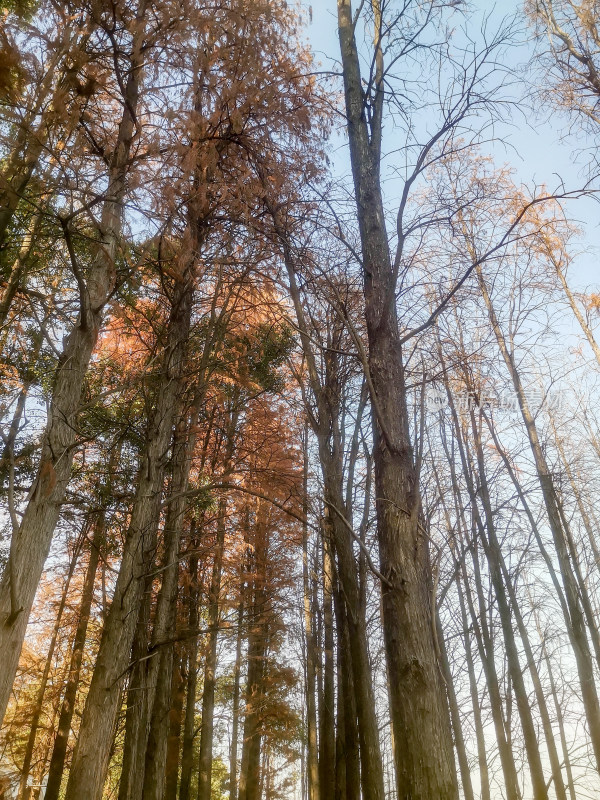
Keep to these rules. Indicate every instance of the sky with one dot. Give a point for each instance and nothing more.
(540, 149)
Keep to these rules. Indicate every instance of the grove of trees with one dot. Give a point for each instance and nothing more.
(300, 449)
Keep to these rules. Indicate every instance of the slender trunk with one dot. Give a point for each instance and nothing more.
(501, 576)
(561, 727)
(312, 773)
(187, 749)
(90, 761)
(420, 720)
(459, 741)
(59, 752)
(589, 334)
(494, 557)
(486, 653)
(175, 720)
(136, 718)
(327, 431)
(235, 713)
(34, 536)
(249, 784)
(39, 702)
(585, 517)
(576, 623)
(349, 762)
(327, 711)
(210, 665)
(154, 744)
(484, 774)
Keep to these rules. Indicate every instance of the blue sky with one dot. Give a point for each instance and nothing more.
(540, 147)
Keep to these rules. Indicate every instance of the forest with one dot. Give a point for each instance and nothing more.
(299, 382)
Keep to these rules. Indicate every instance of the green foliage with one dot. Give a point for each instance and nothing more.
(20, 8)
(219, 779)
(267, 352)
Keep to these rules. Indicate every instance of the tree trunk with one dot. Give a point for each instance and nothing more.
(235, 713)
(59, 752)
(187, 749)
(312, 773)
(210, 665)
(136, 718)
(327, 711)
(90, 761)
(39, 702)
(418, 705)
(175, 720)
(33, 539)
(576, 622)
(494, 557)
(459, 741)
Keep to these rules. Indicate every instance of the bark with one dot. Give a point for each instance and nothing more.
(312, 774)
(249, 784)
(39, 702)
(486, 653)
(235, 713)
(327, 392)
(175, 722)
(210, 665)
(419, 710)
(187, 749)
(153, 743)
(502, 576)
(90, 761)
(327, 711)
(561, 727)
(348, 759)
(484, 775)
(136, 718)
(59, 751)
(33, 539)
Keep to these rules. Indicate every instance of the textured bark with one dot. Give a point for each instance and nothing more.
(90, 761)
(187, 748)
(59, 751)
(327, 711)
(210, 664)
(175, 722)
(418, 706)
(235, 712)
(153, 745)
(250, 772)
(138, 710)
(39, 702)
(347, 755)
(312, 774)
(33, 539)
(327, 392)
